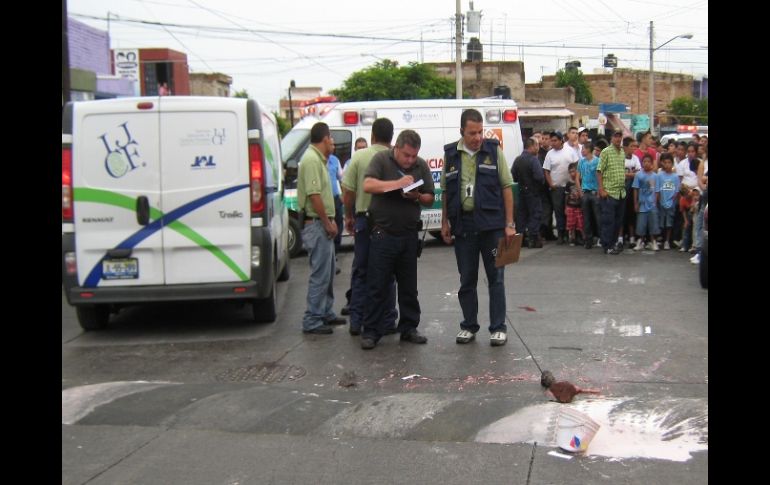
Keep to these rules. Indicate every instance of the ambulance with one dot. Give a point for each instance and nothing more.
(171, 199)
(437, 121)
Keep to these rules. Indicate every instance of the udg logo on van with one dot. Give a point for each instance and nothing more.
(409, 116)
(204, 162)
(124, 156)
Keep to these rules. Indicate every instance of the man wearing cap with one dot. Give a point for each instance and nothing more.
(556, 168)
(612, 192)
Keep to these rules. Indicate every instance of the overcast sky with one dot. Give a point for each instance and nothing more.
(263, 45)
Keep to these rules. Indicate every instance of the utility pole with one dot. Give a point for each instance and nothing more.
(651, 87)
(458, 52)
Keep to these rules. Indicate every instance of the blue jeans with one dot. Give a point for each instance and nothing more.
(612, 218)
(358, 295)
(468, 245)
(647, 222)
(699, 228)
(391, 255)
(320, 287)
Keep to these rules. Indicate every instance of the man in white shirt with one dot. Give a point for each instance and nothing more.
(556, 169)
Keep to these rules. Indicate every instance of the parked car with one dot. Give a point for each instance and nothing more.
(703, 270)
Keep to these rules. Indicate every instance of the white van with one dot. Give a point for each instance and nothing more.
(436, 120)
(171, 199)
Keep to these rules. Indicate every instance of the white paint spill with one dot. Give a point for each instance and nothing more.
(648, 330)
(630, 330)
(637, 280)
(410, 377)
(560, 455)
(78, 402)
(667, 429)
(596, 302)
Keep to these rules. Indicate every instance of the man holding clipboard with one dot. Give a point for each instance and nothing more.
(477, 209)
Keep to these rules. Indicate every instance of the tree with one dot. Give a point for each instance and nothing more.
(386, 80)
(687, 110)
(575, 79)
(283, 124)
(241, 94)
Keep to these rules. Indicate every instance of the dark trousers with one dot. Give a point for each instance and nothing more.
(530, 211)
(557, 201)
(358, 290)
(546, 219)
(338, 218)
(612, 219)
(391, 255)
(468, 246)
(591, 215)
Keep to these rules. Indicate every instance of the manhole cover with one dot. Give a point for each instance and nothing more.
(265, 372)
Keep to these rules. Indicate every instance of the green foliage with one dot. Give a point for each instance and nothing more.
(283, 124)
(687, 110)
(241, 94)
(575, 79)
(386, 80)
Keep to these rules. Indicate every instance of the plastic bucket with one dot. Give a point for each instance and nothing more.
(574, 430)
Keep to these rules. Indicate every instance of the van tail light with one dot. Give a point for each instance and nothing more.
(510, 116)
(350, 117)
(257, 177)
(66, 184)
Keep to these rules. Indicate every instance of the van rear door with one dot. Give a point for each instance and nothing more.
(204, 179)
(116, 191)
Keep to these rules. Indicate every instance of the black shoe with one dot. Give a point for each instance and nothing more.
(611, 251)
(619, 247)
(413, 336)
(368, 343)
(337, 321)
(345, 310)
(354, 331)
(536, 243)
(322, 329)
(391, 330)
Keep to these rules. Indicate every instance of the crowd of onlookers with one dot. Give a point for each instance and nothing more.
(567, 181)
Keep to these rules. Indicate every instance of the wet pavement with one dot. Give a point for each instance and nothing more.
(196, 393)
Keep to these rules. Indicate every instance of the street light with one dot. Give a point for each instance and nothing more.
(651, 89)
(291, 109)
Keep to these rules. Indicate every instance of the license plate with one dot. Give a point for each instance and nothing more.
(120, 269)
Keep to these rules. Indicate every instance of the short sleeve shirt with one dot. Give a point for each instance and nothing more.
(313, 178)
(612, 166)
(353, 179)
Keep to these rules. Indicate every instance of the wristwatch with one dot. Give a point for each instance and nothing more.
(511, 225)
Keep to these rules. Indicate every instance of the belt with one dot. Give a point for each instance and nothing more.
(311, 219)
(364, 213)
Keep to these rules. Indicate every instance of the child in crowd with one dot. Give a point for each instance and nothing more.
(646, 195)
(688, 199)
(669, 184)
(573, 209)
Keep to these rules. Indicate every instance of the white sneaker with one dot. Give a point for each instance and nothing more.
(695, 259)
(682, 250)
(677, 243)
(639, 245)
(631, 240)
(655, 245)
(464, 337)
(666, 246)
(498, 338)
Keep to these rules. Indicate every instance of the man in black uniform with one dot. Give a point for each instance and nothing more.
(395, 222)
(528, 173)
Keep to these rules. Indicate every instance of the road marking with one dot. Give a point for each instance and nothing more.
(78, 402)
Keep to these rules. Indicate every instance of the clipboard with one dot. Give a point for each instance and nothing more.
(508, 254)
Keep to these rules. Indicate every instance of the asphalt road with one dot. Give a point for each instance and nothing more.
(197, 394)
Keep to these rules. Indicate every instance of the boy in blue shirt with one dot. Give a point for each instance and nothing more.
(669, 184)
(646, 194)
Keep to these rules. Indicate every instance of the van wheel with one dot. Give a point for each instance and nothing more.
(93, 317)
(264, 308)
(285, 272)
(295, 238)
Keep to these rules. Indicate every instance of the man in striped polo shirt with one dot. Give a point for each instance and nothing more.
(612, 192)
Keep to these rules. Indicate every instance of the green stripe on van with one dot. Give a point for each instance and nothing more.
(84, 194)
